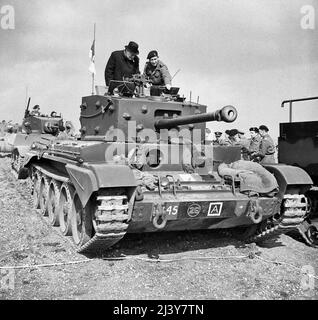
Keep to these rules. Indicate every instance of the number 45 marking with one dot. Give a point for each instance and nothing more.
(172, 210)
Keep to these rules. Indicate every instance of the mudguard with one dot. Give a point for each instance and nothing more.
(23, 150)
(289, 176)
(99, 176)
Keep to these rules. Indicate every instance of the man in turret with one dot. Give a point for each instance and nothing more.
(267, 147)
(122, 64)
(157, 71)
(35, 111)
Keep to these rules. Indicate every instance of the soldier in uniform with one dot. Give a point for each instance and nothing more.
(245, 143)
(157, 71)
(226, 141)
(122, 64)
(267, 147)
(218, 140)
(255, 140)
(35, 111)
(233, 138)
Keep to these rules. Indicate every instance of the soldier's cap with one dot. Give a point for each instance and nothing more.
(262, 127)
(132, 47)
(254, 129)
(234, 132)
(53, 113)
(36, 107)
(152, 54)
(218, 134)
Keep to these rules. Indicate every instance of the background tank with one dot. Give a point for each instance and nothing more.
(298, 146)
(140, 167)
(7, 135)
(36, 127)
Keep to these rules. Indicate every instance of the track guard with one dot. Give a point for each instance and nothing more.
(289, 176)
(94, 177)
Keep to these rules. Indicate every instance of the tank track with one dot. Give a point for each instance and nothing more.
(109, 220)
(309, 228)
(293, 214)
(110, 223)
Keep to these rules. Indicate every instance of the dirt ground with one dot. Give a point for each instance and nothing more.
(199, 265)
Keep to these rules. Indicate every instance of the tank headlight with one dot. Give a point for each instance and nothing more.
(164, 182)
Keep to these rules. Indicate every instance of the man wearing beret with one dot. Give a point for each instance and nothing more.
(255, 140)
(267, 147)
(122, 64)
(157, 71)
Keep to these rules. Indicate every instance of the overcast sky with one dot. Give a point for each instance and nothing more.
(248, 53)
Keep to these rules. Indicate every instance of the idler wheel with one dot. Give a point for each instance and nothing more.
(43, 195)
(36, 190)
(53, 203)
(81, 222)
(65, 209)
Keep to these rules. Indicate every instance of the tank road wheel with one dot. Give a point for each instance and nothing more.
(43, 195)
(53, 202)
(65, 209)
(81, 221)
(36, 189)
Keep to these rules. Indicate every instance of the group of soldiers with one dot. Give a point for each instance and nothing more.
(259, 147)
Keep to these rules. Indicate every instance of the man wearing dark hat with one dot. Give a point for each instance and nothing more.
(157, 71)
(122, 64)
(227, 141)
(267, 147)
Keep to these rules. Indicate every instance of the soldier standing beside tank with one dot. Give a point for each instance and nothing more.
(157, 71)
(245, 143)
(266, 149)
(218, 140)
(255, 140)
(122, 64)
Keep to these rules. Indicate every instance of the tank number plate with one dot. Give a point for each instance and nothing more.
(215, 209)
(171, 210)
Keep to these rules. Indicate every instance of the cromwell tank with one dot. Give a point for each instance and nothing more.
(36, 128)
(298, 146)
(139, 167)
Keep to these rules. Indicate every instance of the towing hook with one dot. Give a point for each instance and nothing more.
(163, 223)
(255, 212)
(159, 217)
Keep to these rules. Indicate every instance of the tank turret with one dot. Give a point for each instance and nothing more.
(102, 114)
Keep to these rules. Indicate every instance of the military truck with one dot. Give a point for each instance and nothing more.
(298, 146)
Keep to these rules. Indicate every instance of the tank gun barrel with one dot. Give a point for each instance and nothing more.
(226, 114)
